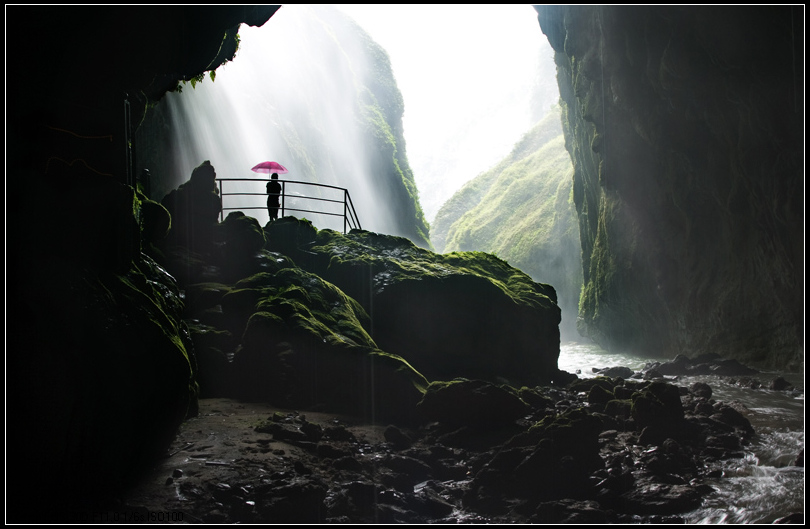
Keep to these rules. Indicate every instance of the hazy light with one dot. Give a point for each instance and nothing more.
(466, 74)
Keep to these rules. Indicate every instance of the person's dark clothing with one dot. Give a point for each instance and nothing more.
(273, 192)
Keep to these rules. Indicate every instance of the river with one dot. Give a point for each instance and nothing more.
(765, 484)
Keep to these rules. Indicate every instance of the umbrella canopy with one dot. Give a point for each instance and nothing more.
(269, 167)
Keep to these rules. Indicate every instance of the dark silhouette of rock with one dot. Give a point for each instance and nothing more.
(474, 403)
(195, 207)
(616, 372)
(780, 384)
(701, 389)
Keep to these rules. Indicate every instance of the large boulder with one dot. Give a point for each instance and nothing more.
(306, 344)
(474, 403)
(101, 380)
(195, 207)
(463, 314)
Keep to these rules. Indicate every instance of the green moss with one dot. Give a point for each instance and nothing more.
(539, 234)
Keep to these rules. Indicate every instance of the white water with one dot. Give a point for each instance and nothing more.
(764, 485)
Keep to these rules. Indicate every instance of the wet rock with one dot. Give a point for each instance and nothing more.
(707, 364)
(587, 384)
(701, 389)
(555, 466)
(653, 374)
(599, 395)
(619, 408)
(616, 372)
(298, 501)
(730, 416)
(348, 463)
(658, 404)
(397, 437)
(569, 511)
(661, 499)
(624, 392)
(471, 403)
(394, 514)
(429, 503)
(535, 398)
(413, 468)
(313, 431)
(282, 432)
(747, 382)
(338, 433)
(780, 384)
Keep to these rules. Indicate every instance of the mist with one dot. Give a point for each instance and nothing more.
(475, 78)
(293, 94)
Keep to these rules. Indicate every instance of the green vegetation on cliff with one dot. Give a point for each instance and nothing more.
(522, 210)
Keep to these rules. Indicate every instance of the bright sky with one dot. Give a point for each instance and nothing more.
(453, 64)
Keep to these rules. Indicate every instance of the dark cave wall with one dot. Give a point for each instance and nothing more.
(685, 128)
(101, 372)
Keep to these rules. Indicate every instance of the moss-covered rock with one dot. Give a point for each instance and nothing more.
(659, 403)
(465, 314)
(473, 403)
(554, 459)
(104, 377)
(305, 344)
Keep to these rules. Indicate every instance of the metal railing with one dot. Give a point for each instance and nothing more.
(350, 220)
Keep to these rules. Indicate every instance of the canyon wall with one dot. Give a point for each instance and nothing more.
(685, 129)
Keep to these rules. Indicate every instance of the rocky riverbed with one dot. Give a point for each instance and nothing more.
(599, 450)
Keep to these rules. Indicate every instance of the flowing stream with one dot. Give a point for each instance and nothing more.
(765, 484)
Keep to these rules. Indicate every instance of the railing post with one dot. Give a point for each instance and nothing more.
(221, 202)
(283, 193)
(345, 209)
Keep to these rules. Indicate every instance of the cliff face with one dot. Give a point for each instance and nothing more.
(522, 210)
(685, 128)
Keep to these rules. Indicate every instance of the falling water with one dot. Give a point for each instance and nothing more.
(758, 488)
(291, 95)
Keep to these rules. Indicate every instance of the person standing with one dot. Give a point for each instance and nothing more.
(273, 194)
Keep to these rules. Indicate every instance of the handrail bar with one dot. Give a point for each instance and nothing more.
(287, 181)
(293, 196)
(289, 209)
(349, 214)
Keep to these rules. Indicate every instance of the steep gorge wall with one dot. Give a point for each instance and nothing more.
(685, 128)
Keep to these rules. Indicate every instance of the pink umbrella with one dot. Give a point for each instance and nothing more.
(269, 168)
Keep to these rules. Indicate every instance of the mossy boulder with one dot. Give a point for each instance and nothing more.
(474, 403)
(240, 240)
(463, 314)
(105, 375)
(658, 407)
(554, 459)
(306, 345)
(155, 222)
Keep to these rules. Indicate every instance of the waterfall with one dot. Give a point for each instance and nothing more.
(300, 92)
